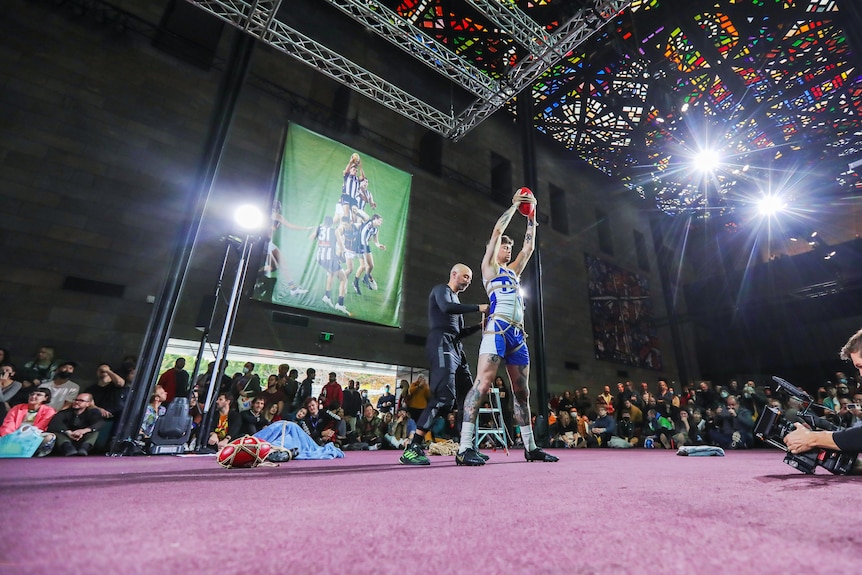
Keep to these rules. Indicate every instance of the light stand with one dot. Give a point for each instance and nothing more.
(224, 340)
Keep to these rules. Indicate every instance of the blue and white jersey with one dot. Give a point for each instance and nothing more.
(504, 292)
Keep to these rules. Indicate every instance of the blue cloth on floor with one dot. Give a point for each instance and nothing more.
(289, 435)
(700, 450)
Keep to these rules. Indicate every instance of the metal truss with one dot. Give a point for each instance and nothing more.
(257, 18)
(514, 23)
(566, 38)
(400, 32)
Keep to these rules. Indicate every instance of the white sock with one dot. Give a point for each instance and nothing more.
(468, 430)
(527, 437)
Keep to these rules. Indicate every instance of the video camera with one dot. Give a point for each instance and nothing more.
(772, 426)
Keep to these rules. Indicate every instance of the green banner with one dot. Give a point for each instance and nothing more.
(337, 241)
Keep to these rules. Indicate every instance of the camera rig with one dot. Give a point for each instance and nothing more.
(773, 425)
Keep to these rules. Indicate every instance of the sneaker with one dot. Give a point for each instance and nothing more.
(342, 309)
(414, 455)
(327, 301)
(366, 281)
(372, 285)
(469, 458)
(539, 455)
(356, 286)
(298, 291)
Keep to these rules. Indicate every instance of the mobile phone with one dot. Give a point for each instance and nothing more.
(852, 406)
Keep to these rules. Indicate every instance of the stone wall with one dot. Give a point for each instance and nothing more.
(100, 142)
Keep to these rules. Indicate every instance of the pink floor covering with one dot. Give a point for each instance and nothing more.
(596, 511)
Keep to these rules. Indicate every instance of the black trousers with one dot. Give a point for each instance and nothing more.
(449, 377)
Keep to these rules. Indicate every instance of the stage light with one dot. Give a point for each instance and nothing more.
(706, 160)
(249, 217)
(770, 205)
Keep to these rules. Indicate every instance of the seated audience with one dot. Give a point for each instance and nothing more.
(254, 419)
(76, 427)
(8, 387)
(35, 412)
(151, 414)
(63, 389)
(41, 368)
(321, 426)
(401, 430)
(603, 428)
(226, 426)
(368, 426)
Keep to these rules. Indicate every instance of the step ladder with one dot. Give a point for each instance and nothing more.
(497, 430)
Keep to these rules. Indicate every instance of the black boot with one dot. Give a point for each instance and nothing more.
(469, 458)
(539, 455)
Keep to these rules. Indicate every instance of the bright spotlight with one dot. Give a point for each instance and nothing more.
(706, 160)
(249, 217)
(770, 205)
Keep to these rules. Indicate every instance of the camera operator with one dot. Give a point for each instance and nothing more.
(802, 439)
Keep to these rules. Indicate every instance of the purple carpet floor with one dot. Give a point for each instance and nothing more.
(595, 512)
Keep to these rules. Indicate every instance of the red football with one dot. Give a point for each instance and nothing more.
(246, 451)
(526, 210)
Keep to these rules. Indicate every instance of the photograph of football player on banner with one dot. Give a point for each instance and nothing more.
(337, 240)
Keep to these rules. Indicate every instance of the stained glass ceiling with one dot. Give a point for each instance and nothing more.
(637, 89)
(772, 85)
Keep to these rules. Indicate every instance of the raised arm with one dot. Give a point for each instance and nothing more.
(520, 262)
(489, 260)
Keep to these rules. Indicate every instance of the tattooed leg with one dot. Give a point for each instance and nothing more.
(519, 377)
(487, 370)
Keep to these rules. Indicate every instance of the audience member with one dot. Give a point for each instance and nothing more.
(352, 406)
(331, 396)
(273, 394)
(175, 380)
(41, 368)
(8, 387)
(151, 414)
(321, 426)
(63, 389)
(386, 402)
(289, 385)
(368, 426)
(246, 387)
(401, 429)
(76, 427)
(604, 426)
(253, 420)
(35, 412)
(418, 396)
(226, 425)
(303, 390)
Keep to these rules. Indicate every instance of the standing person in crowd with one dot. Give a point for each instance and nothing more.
(331, 396)
(418, 396)
(352, 405)
(109, 397)
(386, 402)
(303, 391)
(503, 339)
(175, 380)
(445, 354)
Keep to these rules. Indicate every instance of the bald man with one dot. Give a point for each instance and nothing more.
(445, 354)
